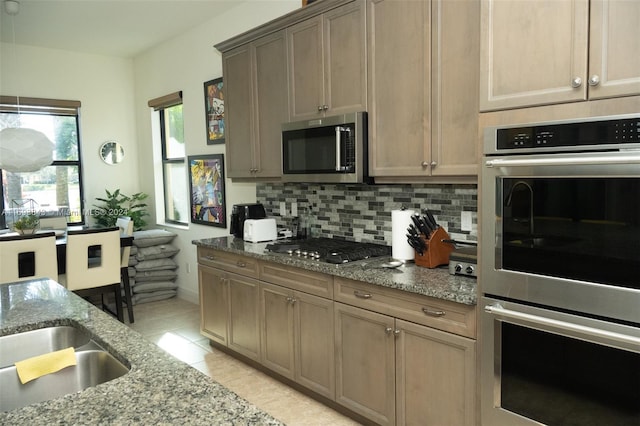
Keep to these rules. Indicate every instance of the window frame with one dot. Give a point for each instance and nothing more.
(50, 107)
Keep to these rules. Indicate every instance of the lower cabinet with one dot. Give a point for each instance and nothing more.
(386, 355)
(297, 337)
(397, 372)
(229, 307)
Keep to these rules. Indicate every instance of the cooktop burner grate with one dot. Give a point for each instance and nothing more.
(330, 250)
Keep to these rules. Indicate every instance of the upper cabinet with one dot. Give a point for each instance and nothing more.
(327, 63)
(538, 52)
(423, 88)
(255, 78)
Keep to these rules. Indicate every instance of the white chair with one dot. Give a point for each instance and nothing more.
(126, 227)
(96, 274)
(27, 257)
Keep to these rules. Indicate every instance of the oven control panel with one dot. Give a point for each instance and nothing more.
(584, 135)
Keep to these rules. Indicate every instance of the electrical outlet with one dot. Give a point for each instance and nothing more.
(188, 268)
(283, 209)
(465, 218)
(294, 209)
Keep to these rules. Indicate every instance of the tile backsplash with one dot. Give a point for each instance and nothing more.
(363, 212)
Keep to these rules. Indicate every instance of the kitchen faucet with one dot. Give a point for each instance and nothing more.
(509, 200)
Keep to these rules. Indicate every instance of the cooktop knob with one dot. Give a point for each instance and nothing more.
(469, 270)
(459, 267)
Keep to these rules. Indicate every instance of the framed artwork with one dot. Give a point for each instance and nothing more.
(214, 110)
(206, 185)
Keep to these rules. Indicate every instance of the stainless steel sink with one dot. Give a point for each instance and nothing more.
(94, 365)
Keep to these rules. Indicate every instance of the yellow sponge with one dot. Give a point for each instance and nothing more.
(37, 366)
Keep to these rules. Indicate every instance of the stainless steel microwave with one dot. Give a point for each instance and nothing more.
(326, 150)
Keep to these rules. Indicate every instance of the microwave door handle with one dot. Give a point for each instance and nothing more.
(338, 139)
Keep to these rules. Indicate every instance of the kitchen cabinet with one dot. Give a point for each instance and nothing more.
(255, 83)
(229, 301)
(327, 63)
(423, 89)
(297, 337)
(420, 375)
(548, 52)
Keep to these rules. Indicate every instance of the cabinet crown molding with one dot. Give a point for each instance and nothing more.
(280, 23)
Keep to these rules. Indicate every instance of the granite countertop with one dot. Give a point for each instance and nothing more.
(437, 282)
(159, 389)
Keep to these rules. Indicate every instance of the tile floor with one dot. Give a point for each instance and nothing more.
(174, 325)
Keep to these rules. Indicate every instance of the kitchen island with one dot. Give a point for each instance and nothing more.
(436, 283)
(159, 389)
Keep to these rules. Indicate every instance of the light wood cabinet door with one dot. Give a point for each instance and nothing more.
(277, 329)
(237, 72)
(345, 58)
(256, 105)
(244, 309)
(271, 103)
(327, 63)
(424, 121)
(365, 363)
(314, 343)
(399, 87)
(614, 50)
(435, 377)
(214, 303)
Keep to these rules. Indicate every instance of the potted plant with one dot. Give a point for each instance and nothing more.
(117, 204)
(27, 224)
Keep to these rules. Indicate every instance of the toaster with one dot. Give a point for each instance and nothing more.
(258, 230)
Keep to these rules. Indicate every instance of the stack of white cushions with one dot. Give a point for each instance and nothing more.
(152, 270)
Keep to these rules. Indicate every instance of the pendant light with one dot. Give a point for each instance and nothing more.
(22, 149)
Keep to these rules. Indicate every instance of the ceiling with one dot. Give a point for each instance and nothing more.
(122, 28)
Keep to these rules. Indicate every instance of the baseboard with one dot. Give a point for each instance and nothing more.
(188, 295)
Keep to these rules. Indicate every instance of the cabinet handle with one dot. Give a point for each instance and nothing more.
(396, 332)
(291, 300)
(594, 80)
(319, 108)
(361, 295)
(433, 164)
(388, 330)
(325, 107)
(433, 313)
(209, 257)
(576, 82)
(241, 264)
(425, 164)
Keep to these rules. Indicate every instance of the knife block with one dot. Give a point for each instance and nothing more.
(437, 252)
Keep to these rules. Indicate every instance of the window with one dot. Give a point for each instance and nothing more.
(56, 189)
(176, 203)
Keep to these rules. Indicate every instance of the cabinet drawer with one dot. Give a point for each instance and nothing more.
(229, 262)
(294, 278)
(440, 314)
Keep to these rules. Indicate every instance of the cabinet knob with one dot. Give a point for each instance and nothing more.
(320, 108)
(576, 82)
(433, 164)
(325, 107)
(291, 300)
(396, 332)
(240, 264)
(388, 330)
(594, 80)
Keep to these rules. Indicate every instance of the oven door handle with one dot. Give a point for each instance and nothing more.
(573, 329)
(575, 161)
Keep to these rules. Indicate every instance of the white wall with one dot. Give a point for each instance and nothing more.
(104, 86)
(114, 93)
(185, 63)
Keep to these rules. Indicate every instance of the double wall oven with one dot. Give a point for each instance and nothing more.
(560, 273)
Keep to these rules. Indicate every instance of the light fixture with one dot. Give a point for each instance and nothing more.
(22, 149)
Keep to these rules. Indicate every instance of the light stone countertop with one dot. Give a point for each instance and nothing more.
(437, 282)
(158, 390)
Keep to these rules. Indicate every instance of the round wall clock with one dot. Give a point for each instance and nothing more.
(111, 152)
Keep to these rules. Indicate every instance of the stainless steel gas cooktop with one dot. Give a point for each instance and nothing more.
(329, 250)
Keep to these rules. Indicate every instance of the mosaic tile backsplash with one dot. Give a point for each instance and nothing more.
(363, 212)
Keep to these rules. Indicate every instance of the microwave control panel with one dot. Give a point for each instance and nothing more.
(587, 135)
